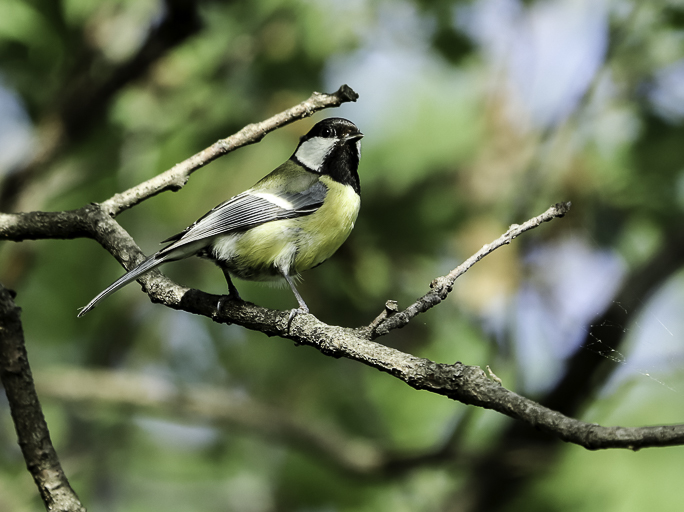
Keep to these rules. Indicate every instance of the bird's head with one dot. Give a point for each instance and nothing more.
(328, 142)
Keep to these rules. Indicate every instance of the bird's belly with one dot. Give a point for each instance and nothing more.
(292, 245)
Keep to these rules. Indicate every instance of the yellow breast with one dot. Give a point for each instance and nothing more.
(292, 245)
(323, 232)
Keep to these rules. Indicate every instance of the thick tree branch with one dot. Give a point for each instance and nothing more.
(47, 225)
(467, 384)
(463, 383)
(32, 431)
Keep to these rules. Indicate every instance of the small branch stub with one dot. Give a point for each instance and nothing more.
(391, 307)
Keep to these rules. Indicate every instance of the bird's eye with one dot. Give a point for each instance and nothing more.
(326, 132)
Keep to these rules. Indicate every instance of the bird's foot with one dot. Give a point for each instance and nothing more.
(228, 298)
(294, 312)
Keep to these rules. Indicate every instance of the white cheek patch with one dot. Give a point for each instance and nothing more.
(312, 153)
(358, 148)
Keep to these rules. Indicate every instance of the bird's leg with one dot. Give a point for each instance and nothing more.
(232, 291)
(303, 309)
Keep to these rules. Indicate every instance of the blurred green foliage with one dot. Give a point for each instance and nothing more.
(452, 156)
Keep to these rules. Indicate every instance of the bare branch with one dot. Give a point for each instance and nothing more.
(47, 225)
(442, 286)
(463, 383)
(467, 384)
(32, 431)
(176, 177)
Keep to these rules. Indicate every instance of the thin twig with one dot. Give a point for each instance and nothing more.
(442, 286)
(176, 177)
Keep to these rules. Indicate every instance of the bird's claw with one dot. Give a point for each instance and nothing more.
(223, 298)
(220, 303)
(293, 313)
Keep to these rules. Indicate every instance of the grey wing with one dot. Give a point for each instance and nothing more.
(248, 210)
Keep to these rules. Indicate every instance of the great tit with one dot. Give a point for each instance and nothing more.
(292, 220)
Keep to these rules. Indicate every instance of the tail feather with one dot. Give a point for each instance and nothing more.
(147, 265)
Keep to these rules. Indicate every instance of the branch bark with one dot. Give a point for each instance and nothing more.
(32, 430)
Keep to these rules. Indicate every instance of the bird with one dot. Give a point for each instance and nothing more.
(290, 221)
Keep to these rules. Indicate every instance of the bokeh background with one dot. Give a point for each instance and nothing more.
(477, 114)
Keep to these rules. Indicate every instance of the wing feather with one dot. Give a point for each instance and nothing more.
(248, 210)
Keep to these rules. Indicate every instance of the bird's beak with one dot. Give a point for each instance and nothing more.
(353, 137)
